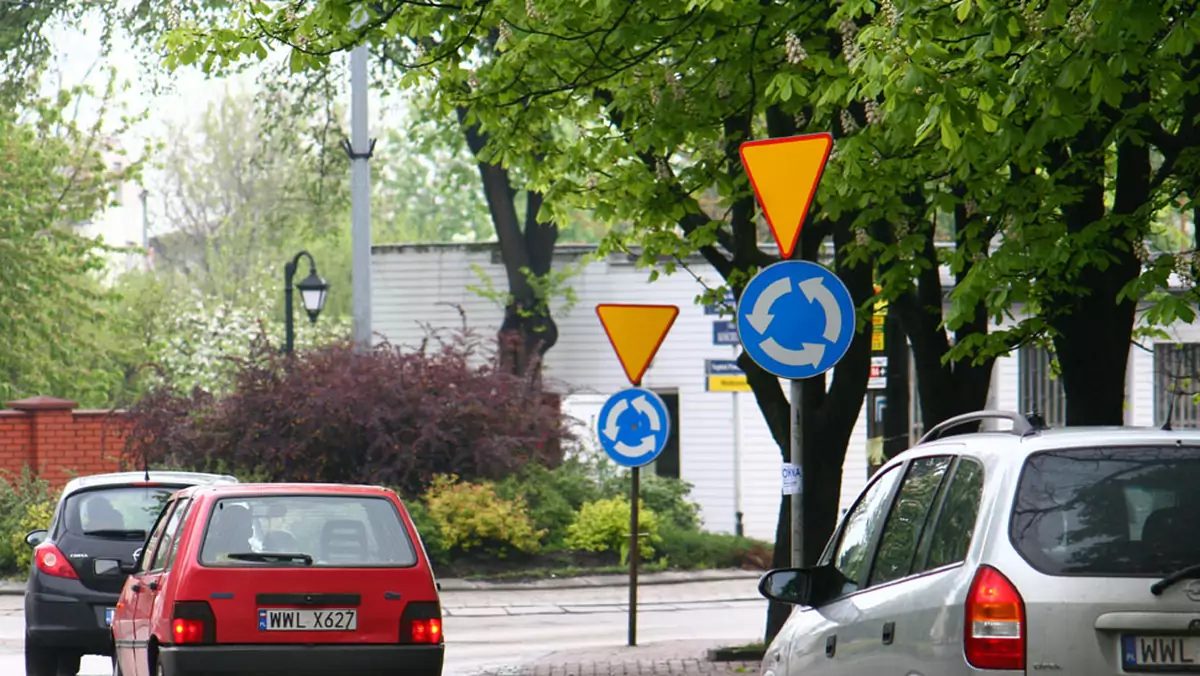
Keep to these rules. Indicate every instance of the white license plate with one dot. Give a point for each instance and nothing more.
(304, 619)
(1160, 651)
(108, 615)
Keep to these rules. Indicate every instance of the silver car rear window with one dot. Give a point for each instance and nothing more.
(1108, 511)
(329, 531)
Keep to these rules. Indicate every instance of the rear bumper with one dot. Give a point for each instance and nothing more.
(69, 616)
(302, 660)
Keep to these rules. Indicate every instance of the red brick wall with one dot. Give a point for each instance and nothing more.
(57, 441)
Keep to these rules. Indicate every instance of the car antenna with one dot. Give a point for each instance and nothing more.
(146, 467)
(1170, 414)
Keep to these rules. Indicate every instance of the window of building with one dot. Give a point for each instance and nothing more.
(1039, 391)
(667, 463)
(1177, 380)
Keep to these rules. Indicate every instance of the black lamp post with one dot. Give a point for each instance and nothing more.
(313, 290)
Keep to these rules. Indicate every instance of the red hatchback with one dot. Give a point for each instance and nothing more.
(281, 579)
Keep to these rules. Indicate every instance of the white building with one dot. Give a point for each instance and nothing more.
(123, 222)
(416, 285)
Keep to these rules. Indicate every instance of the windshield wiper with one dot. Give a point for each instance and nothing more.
(263, 557)
(1182, 574)
(117, 533)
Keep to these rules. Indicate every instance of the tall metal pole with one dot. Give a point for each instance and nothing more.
(635, 492)
(289, 329)
(360, 188)
(797, 499)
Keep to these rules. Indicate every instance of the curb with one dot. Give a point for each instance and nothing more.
(584, 582)
(601, 581)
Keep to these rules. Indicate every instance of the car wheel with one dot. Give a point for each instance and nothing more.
(39, 661)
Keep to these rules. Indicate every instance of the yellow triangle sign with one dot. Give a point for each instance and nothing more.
(784, 173)
(636, 332)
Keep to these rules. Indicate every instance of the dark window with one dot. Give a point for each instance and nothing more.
(1040, 390)
(861, 526)
(667, 463)
(155, 539)
(898, 544)
(335, 530)
(1177, 381)
(1109, 511)
(121, 512)
(169, 537)
(949, 539)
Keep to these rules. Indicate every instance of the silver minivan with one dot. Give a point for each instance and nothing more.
(1025, 550)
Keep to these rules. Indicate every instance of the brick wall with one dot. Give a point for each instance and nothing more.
(57, 441)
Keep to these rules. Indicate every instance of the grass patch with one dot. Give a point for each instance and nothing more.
(750, 652)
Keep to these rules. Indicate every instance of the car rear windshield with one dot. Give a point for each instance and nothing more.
(118, 512)
(306, 530)
(1109, 511)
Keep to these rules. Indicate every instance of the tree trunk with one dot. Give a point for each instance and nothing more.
(1096, 329)
(896, 424)
(528, 330)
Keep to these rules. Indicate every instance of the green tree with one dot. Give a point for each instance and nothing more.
(64, 332)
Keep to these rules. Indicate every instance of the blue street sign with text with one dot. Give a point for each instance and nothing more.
(725, 332)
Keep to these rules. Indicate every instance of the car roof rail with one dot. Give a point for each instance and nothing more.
(1022, 425)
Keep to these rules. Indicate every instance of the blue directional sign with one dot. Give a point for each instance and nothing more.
(633, 426)
(796, 319)
(724, 333)
(716, 309)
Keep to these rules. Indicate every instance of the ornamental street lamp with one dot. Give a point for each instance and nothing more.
(313, 290)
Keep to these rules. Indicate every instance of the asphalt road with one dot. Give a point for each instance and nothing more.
(483, 633)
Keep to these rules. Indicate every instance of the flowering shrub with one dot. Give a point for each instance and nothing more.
(471, 516)
(603, 526)
(331, 414)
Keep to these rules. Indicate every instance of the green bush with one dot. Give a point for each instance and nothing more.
(37, 516)
(428, 529)
(17, 493)
(555, 496)
(472, 516)
(603, 526)
(693, 550)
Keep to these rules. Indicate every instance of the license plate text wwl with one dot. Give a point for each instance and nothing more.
(302, 619)
(1160, 651)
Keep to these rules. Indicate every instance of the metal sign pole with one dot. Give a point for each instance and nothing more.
(797, 460)
(635, 480)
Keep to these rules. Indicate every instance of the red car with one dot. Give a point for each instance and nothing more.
(280, 579)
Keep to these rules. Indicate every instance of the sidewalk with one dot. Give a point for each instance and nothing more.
(454, 586)
(669, 658)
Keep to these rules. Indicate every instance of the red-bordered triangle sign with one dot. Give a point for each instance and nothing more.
(636, 332)
(784, 173)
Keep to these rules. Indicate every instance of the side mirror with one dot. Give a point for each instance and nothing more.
(787, 585)
(36, 537)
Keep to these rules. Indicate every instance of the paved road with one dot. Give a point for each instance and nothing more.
(486, 631)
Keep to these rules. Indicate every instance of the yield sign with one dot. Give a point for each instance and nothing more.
(636, 332)
(784, 173)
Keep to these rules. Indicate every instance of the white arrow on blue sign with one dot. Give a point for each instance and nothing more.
(796, 319)
(634, 425)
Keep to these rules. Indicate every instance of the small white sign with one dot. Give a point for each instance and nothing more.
(792, 476)
(878, 378)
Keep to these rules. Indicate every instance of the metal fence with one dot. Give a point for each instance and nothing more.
(1039, 390)
(1177, 378)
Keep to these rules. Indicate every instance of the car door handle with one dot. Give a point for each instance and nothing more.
(830, 645)
(889, 632)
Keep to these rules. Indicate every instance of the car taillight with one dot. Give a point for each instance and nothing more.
(421, 623)
(994, 636)
(426, 631)
(193, 622)
(50, 560)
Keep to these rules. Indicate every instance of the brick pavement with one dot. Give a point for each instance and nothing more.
(670, 658)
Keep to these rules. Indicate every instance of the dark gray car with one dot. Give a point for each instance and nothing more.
(81, 561)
